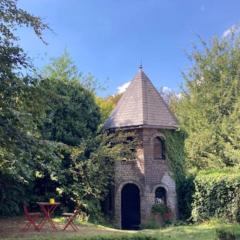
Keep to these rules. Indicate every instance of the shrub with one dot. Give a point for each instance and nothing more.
(217, 194)
(160, 208)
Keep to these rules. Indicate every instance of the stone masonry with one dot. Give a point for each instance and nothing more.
(148, 174)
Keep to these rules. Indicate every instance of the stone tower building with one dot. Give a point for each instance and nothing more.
(147, 179)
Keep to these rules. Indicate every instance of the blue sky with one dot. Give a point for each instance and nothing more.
(109, 38)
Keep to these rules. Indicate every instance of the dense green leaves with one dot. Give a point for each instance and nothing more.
(19, 107)
(63, 69)
(217, 195)
(208, 110)
(175, 153)
(17, 116)
(71, 111)
(208, 113)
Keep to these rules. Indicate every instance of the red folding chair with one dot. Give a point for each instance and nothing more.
(32, 218)
(70, 220)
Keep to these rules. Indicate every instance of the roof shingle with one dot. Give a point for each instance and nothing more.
(141, 106)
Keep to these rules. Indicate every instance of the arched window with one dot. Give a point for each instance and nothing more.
(161, 195)
(158, 148)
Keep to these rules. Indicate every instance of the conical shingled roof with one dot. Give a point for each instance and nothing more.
(141, 106)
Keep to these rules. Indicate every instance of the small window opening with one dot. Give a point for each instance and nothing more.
(161, 195)
(159, 148)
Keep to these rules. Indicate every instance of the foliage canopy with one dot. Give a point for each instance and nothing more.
(51, 142)
(208, 110)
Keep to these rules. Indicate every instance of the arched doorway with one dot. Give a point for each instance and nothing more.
(130, 207)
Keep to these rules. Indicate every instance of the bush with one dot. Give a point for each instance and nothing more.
(217, 194)
(160, 208)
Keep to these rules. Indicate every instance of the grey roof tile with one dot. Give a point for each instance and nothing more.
(141, 106)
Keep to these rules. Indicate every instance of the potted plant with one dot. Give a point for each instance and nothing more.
(161, 213)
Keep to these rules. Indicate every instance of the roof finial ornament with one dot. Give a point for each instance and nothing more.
(140, 65)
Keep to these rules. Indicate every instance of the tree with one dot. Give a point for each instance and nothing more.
(72, 114)
(63, 68)
(51, 143)
(107, 105)
(79, 165)
(208, 110)
(19, 109)
(16, 90)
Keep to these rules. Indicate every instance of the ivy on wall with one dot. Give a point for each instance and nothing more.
(175, 151)
(184, 182)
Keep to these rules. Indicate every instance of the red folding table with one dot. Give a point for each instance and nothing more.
(48, 210)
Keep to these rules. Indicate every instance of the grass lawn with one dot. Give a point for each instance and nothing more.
(9, 229)
(204, 231)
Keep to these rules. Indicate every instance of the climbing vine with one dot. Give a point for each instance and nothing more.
(184, 182)
(175, 153)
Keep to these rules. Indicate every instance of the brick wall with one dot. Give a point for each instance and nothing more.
(147, 173)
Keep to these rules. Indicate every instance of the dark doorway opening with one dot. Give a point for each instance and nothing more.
(130, 207)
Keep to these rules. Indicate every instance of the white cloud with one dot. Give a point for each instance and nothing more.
(122, 88)
(230, 31)
(167, 92)
(166, 89)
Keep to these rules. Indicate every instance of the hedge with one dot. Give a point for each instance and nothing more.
(217, 194)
